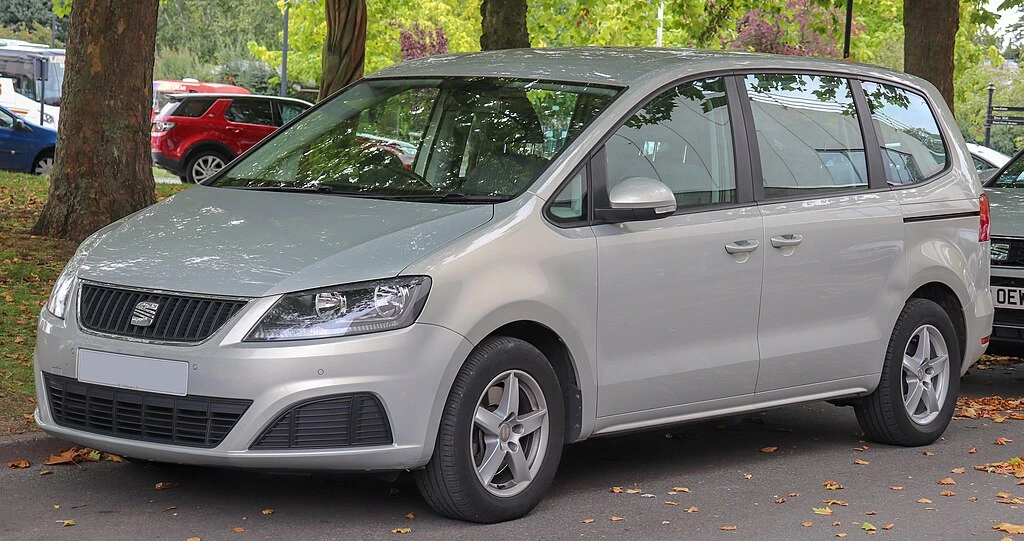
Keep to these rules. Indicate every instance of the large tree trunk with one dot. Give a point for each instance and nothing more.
(103, 169)
(930, 31)
(503, 25)
(345, 48)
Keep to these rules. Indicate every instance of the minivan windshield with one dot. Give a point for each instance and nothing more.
(465, 139)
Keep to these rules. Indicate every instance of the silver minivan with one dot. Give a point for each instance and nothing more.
(462, 263)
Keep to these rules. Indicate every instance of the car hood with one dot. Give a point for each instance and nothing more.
(1007, 208)
(252, 243)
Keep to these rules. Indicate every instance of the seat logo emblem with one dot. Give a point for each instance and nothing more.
(144, 313)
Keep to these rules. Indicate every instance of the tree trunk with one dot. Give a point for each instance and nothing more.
(930, 32)
(103, 169)
(345, 48)
(503, 25)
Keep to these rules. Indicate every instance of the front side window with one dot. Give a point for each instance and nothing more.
(912, 145)
(250, 111)
(6, 120)
(451, 139)
(683, 139)
(808, 135)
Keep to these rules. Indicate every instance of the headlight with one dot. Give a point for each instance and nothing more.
(344, 310)
(58, 302)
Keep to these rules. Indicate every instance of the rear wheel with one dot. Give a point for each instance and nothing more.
(203, 165)
(44, 163)
(917, 392)
(500, 438)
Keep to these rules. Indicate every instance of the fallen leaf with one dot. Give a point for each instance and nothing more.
(793, 494)
(410, 516)
(924, 500)
(822, 510)
(18, 464)
(832, 485)
(616, 490)
(65, 457)
(1009, 528)
(837, 523)
(680, 489)
(927, 453)
(769, 449)
(665, 522)
(45, 472)
(66, 523)
(897, 487)
(633, 491)
(587, 521)
(402, 530)
(868, 527)
(947, 493)
(647, 496)
(748, 475)
(780, 500)
(56, 506)
(807, 524)
(171, 508)
(671, 503)
(840, 503)
(267, 511)
(1003, 441)
(617, 519)
(1003, 494)
(958, 470)
(870, 513)
(947, 481)
(1011, 501)
(238, 529)
(972, 499)
(888, 526)
(972, 451)
(165, 485)
(840, 534)
(1006, 538)
(861, 448)
(112, 458)
(692, 509)
(728, 528)
(860, 462)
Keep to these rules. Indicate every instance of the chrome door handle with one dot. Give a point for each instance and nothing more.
(781, 241)
(742, 246)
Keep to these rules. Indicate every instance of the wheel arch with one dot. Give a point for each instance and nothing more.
(200, 146)
(940, 293)
(52, 150)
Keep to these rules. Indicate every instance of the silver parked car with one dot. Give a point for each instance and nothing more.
(1005, 189)
(584, 242)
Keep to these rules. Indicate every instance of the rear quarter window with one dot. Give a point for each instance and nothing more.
(189, 107)
(912, 145)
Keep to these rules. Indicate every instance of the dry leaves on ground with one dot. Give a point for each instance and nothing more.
(860, 462)
(238, 529)
(587, 521)
(822, 510)
(163, 485)
(66, 523)
(402, 530)
(924, 500)
(75, 455)
(1013, 466)
(728, 528)
(1009, 528)
(990, 407)
(832, 485)
(1003, 441)
(267, 511)
(769, 449)
(18, 464)
(947, 493)
(947, 481)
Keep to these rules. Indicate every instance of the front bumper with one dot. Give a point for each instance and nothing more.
(409, 370)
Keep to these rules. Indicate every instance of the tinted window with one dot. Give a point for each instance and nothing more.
(570, 205)
(911, 142)
(290, 111)
(682, 138)
(191, 107)
(250, 111)
(6, 120)
(808, 134)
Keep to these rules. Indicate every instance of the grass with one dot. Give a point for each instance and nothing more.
(28, 266)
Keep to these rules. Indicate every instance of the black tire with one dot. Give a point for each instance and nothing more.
(882, 414)
(195, 158)
(450, 483)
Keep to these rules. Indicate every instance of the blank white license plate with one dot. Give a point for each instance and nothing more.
(1008, 297)
(131, 372)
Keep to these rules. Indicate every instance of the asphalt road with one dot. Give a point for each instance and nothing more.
(815, 444)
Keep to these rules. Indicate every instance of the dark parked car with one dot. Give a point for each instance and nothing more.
(24, 145)
(195, 135)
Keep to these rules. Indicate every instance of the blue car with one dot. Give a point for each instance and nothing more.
(25, 146)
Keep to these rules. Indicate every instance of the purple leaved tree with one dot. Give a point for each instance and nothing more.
(417, 41)
(766, 32)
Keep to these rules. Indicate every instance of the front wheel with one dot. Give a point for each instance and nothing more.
(500, 438)
(920, 380)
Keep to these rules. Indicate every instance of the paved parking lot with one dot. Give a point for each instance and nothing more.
(731, 482)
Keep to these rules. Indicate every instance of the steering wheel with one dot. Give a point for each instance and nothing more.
(382, 157)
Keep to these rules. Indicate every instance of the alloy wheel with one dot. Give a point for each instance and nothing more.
(206, 166)
(925, 374)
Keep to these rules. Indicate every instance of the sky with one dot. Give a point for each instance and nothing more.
(1006, 18)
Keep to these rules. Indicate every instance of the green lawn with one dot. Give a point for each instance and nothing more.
(28, 267)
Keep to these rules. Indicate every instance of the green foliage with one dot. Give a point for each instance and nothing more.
(33, 32)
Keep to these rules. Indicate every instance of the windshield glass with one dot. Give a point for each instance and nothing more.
(453, 138)
(1012, 176)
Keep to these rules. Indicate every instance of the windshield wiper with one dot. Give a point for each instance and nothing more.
(452, 197)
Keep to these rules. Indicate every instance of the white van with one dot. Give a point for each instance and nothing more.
(37, 101)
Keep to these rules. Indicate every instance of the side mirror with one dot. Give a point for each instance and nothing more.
(638, 198)
(19, 125)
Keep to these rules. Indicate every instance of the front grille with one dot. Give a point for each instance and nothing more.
(178, 318)
(192, 421)
(1007, 252)
(339, 421)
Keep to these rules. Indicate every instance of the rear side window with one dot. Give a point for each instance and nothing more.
(250, 111)
(290, 111)
(191, 107)
(681, 138)
(911, 142)
(808, 135)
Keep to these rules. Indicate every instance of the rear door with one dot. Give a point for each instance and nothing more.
(678, 297)
(834, 249)
(249, 120)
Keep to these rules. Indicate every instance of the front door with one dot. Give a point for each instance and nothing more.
(678, 297)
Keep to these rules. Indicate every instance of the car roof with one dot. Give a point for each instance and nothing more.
(989, 154)
(622, 66)
(221, 95)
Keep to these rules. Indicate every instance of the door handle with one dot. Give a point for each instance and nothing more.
(742, 246)
(781, 241)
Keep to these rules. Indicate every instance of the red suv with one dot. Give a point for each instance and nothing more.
(196, 135)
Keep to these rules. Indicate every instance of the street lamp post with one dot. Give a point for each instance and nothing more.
(284, 55)
(988, 114)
